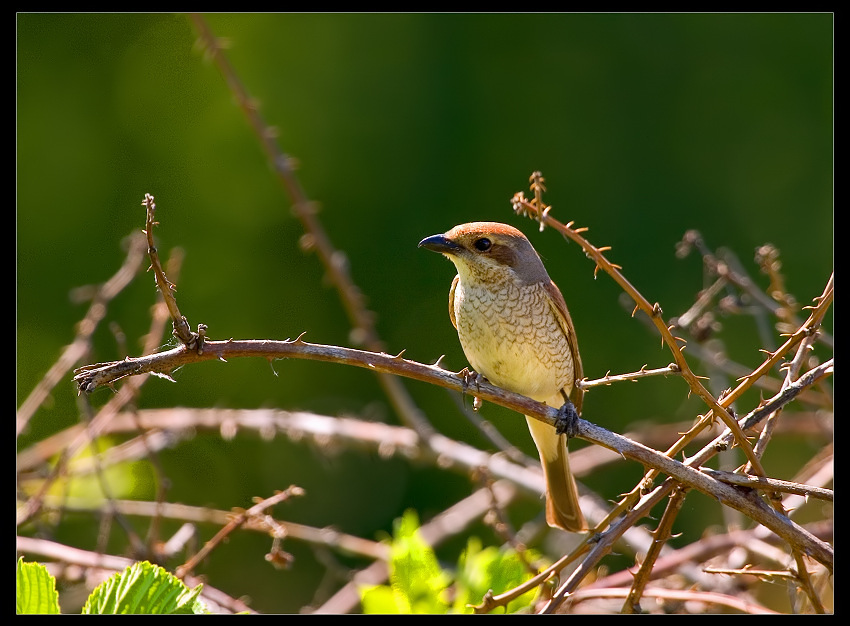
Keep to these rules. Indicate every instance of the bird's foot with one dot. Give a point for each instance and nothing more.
(470, 378)
(567, 421)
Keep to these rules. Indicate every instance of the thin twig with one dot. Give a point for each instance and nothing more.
(676, 595)
(761, 482)
(345, 542)
(166, 287)
(629, 377)
(384, 439)
(237, 521)
(661, 536)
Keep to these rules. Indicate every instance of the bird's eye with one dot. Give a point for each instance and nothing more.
(482, 244)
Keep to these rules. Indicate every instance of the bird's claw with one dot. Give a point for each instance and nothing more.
(567, 421)
(470, 378)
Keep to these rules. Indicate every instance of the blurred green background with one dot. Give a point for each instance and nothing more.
(644, 126)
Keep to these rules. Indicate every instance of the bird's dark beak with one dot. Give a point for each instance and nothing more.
(440, 243)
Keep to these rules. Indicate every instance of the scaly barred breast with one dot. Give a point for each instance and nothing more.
(510, 335)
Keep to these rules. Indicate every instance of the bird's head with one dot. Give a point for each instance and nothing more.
(489, 251)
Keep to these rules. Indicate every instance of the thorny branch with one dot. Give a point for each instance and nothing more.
(631, 377)
(166, 287)
(237, 521)
(90, 377)
(661, 536)
(774, 484)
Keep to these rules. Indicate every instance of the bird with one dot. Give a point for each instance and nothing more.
(515, 330)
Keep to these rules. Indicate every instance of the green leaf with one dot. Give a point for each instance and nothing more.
(381, 600)
(419, 585)
(144, 588)
(481, 570)
(417, 582)
(415, 572)
(36, 590)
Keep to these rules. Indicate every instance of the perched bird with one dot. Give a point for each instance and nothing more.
(515, 330)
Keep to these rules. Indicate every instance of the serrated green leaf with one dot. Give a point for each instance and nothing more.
(36, 590)
(145, 589)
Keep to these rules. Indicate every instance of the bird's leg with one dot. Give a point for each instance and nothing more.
(567, 421)
(471, 377)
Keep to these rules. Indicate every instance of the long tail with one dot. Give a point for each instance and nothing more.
(562, 508)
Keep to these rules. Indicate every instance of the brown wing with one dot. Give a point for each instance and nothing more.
(452, 301)
(566, 322)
